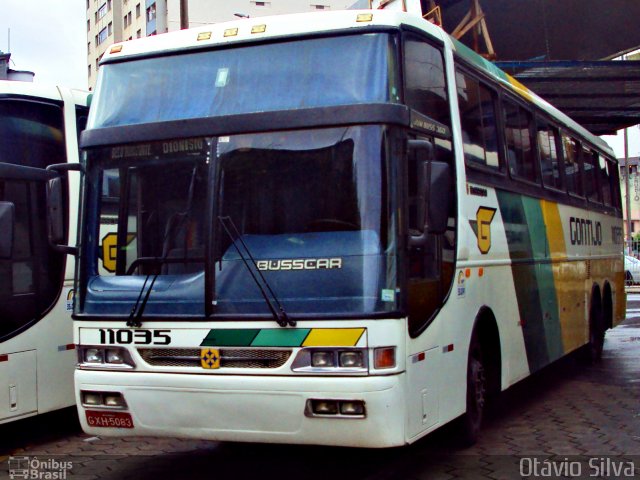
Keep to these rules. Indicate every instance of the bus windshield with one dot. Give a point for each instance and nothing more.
(309, 206)
(319, 72)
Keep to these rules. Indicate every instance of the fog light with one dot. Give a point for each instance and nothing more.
(351, 359)
(114, 400)
(384, 357)
(93, 355)
(91, 398)
(355, 407)
(114, 355)
(324, 407)
(322, 359)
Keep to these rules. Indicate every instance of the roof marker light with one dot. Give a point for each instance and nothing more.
(116, 49)
(364, 17)
(259, 28)
(204, 36)
(231, 32)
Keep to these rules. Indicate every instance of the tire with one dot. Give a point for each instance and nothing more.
(596, 335)
(628, 278)
(470, 423)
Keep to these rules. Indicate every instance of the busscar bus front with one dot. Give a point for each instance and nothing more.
(239, 270)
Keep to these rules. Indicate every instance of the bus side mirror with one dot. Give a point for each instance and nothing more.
(55, 211)
(56, 207)
(7, 227)
(434, 184)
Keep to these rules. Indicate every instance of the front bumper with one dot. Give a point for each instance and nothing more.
(251, 409)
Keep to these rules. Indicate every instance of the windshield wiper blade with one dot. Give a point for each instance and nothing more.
(277, 310)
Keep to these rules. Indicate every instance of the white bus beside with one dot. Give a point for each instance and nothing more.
(338, 228)
(39, 126)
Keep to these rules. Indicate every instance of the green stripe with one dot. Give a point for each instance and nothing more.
(281, 337)
(230, 337)
(533, 277)
(269, 337)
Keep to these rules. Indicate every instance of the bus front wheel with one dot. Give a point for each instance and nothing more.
(470, 422)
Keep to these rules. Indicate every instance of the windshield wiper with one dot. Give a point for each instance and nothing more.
(277, 310)
(135, 318)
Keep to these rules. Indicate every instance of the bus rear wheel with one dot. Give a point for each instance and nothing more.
(470, 422)
(596, 334)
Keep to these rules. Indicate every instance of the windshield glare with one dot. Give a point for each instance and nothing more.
(309, 206)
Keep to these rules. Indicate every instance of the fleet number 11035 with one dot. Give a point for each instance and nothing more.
(136, 337)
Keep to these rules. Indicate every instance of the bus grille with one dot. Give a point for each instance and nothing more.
(229, 357)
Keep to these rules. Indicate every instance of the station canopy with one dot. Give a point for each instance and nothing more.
(562, 50)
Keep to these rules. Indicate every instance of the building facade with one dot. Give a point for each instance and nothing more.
(113, 21)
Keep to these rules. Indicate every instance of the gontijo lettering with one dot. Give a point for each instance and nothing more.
(585, 232)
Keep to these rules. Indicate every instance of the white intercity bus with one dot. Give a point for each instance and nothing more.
(337, 228)
(39, 127)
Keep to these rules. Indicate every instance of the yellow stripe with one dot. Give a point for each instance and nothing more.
(555, 234)
(333, 337)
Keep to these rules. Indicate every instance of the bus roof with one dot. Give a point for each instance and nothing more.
(292, 25)
(44, 91)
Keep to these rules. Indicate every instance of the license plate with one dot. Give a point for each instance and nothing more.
(109, 419)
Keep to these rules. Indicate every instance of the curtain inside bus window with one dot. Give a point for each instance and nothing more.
(590, 163)
(606, 180)
(478, 121)
(571, 150)
(518, 142)
(281, 76)
(549, 163)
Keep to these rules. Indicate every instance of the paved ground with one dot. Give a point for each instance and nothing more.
(567, 421)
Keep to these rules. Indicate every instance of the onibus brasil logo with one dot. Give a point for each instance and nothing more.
(24, 467)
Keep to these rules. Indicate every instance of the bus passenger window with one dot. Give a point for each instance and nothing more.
(518, 142)
(549, 164)
(606, 192)
(426, 89)
(478, 120)
(571, 165)
(590, 163)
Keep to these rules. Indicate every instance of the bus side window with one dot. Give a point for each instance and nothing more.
(606, 191)
(518, 142)
(590, 164)
(614, 183)
(478, 121)
(549, 163)
(425, 84)
(571, 149)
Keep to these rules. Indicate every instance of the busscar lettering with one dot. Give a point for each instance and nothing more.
(299, 264)
(585, 232)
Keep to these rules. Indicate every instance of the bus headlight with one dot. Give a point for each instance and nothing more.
(351, 359)
(322, 359)
(93, 355)
(114, 355)
(104, 357)
(336, 360)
